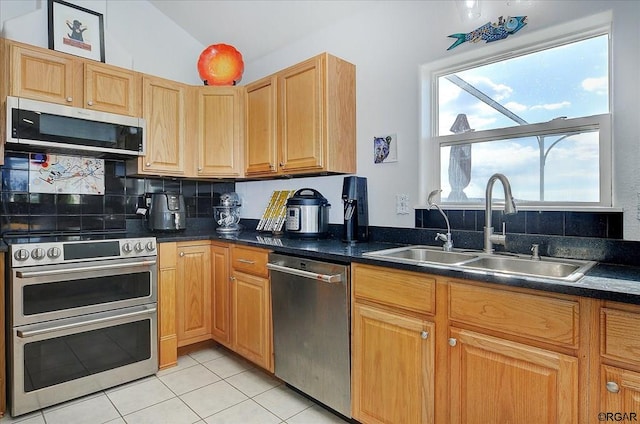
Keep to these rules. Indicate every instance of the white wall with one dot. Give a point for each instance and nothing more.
(387, 43)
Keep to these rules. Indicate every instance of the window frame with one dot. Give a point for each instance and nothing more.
(431, 142)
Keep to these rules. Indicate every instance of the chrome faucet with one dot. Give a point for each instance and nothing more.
(446, 238)
(509, 208)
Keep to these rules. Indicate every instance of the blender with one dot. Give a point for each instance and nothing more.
(227, 214)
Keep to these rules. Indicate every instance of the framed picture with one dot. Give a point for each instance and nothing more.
(385, 148)
(76, 30)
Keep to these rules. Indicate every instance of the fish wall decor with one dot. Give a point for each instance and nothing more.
(491, 31)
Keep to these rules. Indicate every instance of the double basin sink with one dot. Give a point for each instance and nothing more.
(479, 262)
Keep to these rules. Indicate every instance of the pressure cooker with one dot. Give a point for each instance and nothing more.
(307, 214)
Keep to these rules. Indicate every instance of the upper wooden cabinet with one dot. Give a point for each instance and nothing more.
(312, 128)
(220, 118)
(164, 107)
(50, 76)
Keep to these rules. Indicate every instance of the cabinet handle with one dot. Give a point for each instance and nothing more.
(181, 254)
(271, 167)
(612, 387)
(281, 165)
(424, 335)
(69, 99)
(90, 103)
(453, 342)
(246, 261)
(232, 279)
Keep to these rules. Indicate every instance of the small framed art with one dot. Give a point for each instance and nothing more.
(76, 30)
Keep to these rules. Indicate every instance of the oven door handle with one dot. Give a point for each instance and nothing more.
(305, 274)
(23, 334)
(64, 271)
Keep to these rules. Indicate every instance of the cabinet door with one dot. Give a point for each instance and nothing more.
(164, 109)
(392, 367)
(109, 89)
(167, 337)
(300, 114)
(252, 318)
(193, 297)
(220, 295)
(219, 131)
(40, 75)
(261, 124)
(499, 381)
(620, 394)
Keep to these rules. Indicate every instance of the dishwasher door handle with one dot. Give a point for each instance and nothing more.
(336, 278)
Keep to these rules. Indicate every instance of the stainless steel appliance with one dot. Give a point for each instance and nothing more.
(356, 209)
(166, 212)
(307, 214)
(55, 127)
(311, 337)
(81, 317)
(227, 214)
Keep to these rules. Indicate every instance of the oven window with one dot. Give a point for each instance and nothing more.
(61, 295)
(54, 361)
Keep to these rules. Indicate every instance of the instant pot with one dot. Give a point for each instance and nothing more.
(307, 214)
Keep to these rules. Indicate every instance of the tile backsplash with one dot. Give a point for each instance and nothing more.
(25, 212)
(555, 223)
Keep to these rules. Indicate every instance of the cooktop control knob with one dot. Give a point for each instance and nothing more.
(21, 255)
(138, 247)
(53, 252)
(150, 246)
(37, 253)
(126, 248)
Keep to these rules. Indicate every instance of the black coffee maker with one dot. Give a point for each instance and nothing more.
(356, 209)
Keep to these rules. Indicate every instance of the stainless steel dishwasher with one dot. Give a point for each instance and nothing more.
(310, 302)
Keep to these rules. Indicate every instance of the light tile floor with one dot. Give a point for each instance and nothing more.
(211, 386)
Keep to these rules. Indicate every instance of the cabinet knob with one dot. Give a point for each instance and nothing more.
(453, 342)
(199, 168)
(281, 164)
(424, 335)
(147, 164)
(612, 387)
(69, 99)
(181, 254)
(90, 103)
(271, 167)
(232, 278)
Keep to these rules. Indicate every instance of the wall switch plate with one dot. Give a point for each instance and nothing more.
(402, 204)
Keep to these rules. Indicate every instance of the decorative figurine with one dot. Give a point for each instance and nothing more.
(491, 31)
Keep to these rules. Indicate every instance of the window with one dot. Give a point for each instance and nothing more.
(539, 115)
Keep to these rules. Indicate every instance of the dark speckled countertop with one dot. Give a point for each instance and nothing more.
(609, 282)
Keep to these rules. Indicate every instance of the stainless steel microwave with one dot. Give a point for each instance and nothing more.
(41, 125)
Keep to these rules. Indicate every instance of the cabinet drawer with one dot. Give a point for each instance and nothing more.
(250, 260)
(537, 317)
(621, 335)
(403, 289)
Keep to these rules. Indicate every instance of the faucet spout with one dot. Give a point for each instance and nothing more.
(509, 208)
(448, 241)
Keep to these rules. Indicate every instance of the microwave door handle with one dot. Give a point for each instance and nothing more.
(33, 274)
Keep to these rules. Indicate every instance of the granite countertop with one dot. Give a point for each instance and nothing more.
(603, 281)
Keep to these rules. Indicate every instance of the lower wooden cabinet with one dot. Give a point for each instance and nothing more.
(499, 381)
(167, 334)
(619, 394)
(251, 305)
(220, 294)
(193, 293)
(392, 368)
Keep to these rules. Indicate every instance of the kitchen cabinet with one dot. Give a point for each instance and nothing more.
(55, 77)
(496, 380)
(301, 120)
(221, 294)
(620, 359)
(164, 107)
(220, 128)
(393, 350)
(193, 292)
(167, 334)
(3, 360)
(251, 305)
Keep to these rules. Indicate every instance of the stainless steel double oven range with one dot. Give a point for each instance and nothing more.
(82, 316)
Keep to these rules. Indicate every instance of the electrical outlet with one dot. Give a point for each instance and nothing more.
(402, 204)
